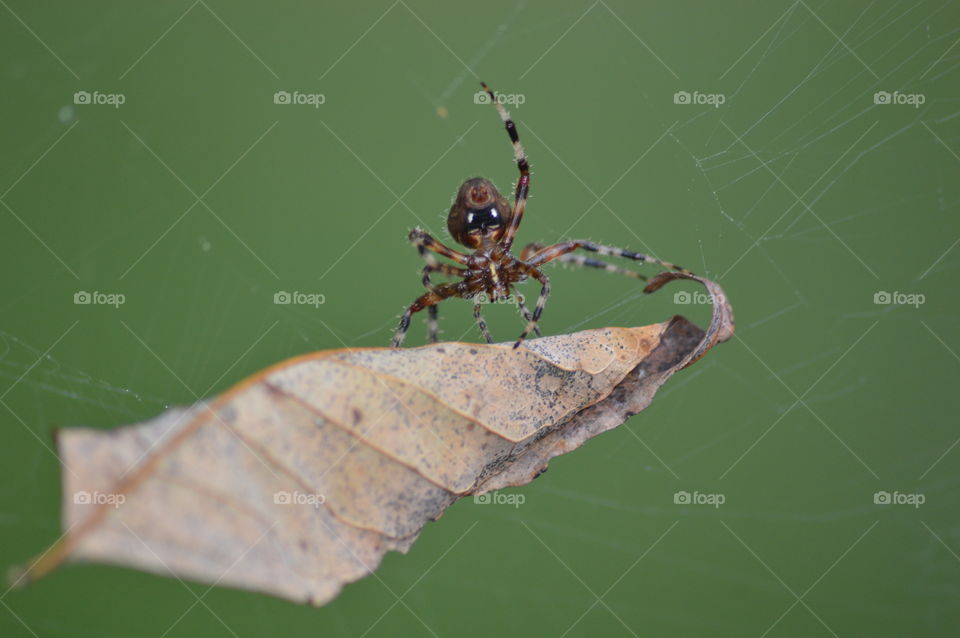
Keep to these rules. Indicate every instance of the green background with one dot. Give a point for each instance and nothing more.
(823, 398)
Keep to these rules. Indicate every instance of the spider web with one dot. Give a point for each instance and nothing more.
(726, 171)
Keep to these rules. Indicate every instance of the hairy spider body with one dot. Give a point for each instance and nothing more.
(483, 220)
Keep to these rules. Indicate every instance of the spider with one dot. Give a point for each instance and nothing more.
(482, 220)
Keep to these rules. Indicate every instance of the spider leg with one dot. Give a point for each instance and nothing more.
(481, 322)
(580, 260)
(523, 184)
(525, 312)
(433, 324)
(541, 302)
(432, 266)
(423, 242)
(530, 250)
(443, 269)
(427, 300)
(557, 251)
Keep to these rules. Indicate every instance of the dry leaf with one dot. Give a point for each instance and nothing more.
(299, 479)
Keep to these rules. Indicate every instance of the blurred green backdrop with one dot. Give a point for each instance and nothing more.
(805, 154)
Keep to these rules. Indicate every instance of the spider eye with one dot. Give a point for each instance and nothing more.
(483, 219)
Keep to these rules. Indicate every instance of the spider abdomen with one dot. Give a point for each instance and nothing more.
(479, 214)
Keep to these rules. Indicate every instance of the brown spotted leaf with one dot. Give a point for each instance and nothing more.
(299, 479)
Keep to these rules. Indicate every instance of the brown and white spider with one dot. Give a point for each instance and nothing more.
(481, 219)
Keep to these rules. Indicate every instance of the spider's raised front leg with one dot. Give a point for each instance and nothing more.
(557, 251)
(523, 184)
(427, 300)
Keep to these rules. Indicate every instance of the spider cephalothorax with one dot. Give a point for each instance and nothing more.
(483, 220)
